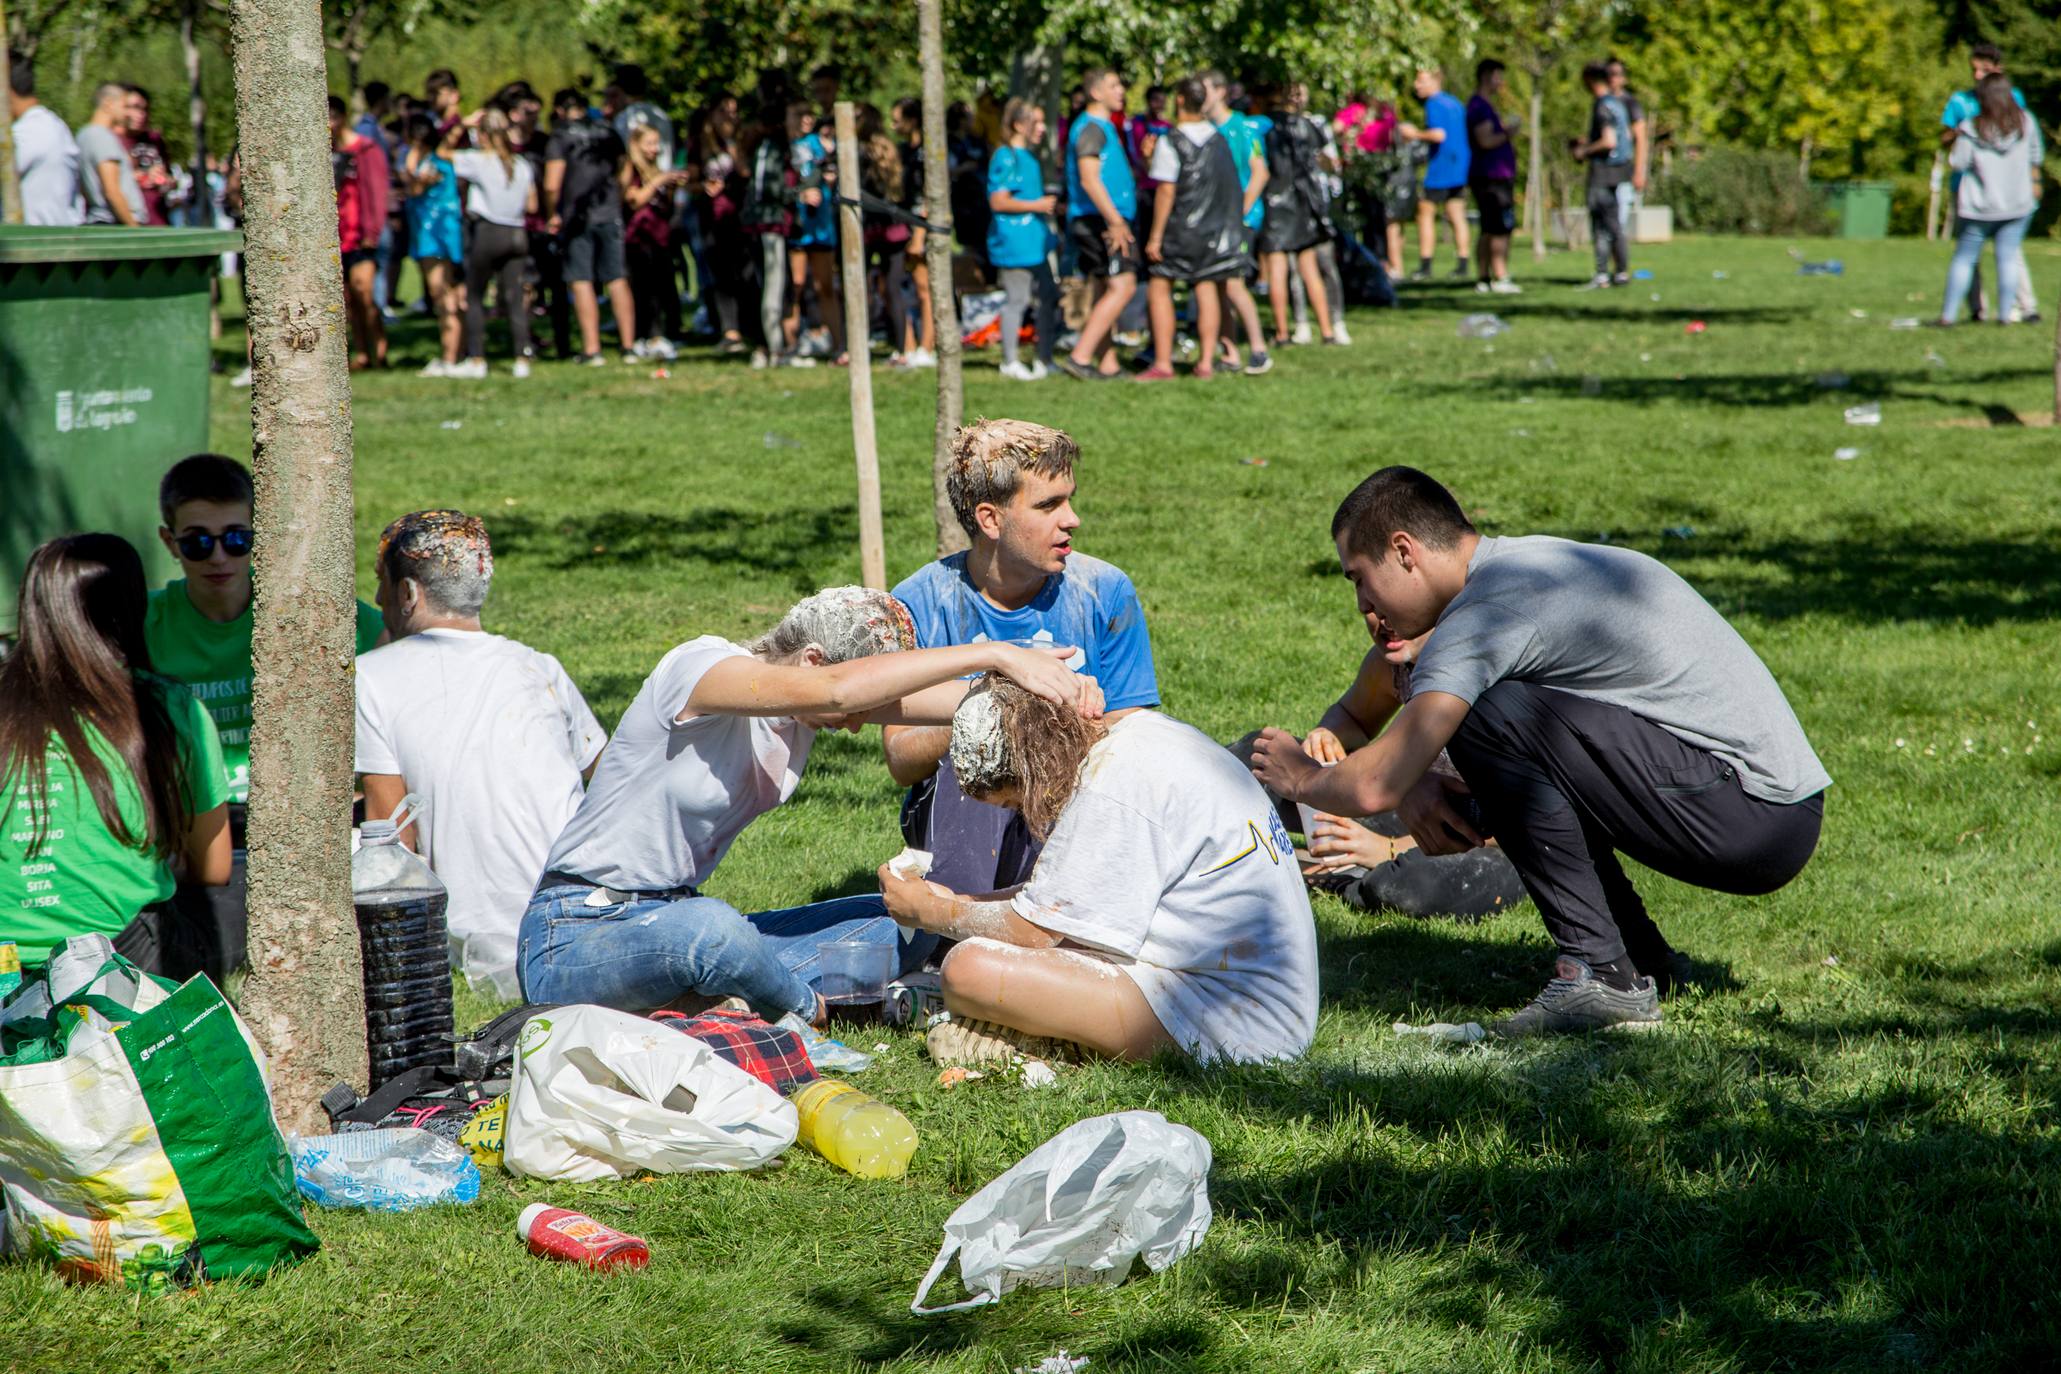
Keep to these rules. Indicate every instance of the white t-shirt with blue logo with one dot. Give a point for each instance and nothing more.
(1090, 605)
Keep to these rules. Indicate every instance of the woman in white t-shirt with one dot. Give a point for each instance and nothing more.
(717, 736)
(1166, 910)
(504, 195)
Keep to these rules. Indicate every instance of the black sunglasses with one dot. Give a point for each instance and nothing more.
(196, 547)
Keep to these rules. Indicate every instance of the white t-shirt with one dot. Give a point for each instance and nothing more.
(47, 157)
(493, 735)
(498, 196)
(670, 796)
(1166, 163)
(1171, 860)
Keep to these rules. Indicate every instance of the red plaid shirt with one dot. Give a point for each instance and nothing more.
(768, 1053)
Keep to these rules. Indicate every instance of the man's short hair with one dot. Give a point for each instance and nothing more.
(989, 458)
(377, 93)
(1191, 93)
(109, 90)
(442, 79)
(1595, 73)
(446, 552)
(21, 77)
(1398, 499)
(337, 109)
(1486, 68)
(631, 81)
(568, 99)
(1987, 52)
(203, 477)
(1095, 77)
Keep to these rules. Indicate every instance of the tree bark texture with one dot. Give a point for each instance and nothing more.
(305, 997)
(10, 180)
(937, 254)
(1535, 176)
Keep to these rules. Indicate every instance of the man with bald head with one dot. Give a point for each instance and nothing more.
(491, 734)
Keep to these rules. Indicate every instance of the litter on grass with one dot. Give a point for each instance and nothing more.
(1846, 455)
(1867, 413)
(392, 1170)
(1465, 1034)
(775, 440)
(1062, 1363)
(1482, 327)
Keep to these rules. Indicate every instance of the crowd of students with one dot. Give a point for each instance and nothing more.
(1104, 878)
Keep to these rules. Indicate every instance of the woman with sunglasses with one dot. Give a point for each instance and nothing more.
(111, 777)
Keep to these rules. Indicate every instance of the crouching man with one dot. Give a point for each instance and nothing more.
(1592, 702)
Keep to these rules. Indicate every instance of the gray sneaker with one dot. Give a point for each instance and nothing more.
(1577, 1000)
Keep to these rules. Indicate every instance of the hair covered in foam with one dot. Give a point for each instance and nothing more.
(1006, 736)
(845, 623)
(446, 553)
(980, 745)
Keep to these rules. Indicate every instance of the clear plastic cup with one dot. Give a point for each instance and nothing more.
(855, 972)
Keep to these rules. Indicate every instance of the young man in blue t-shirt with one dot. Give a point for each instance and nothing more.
(1011, 485)
(1444, 131)
(1985, 59)
(1101, 202)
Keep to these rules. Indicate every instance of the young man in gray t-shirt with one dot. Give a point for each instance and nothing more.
(106, 175)
(1592, 702)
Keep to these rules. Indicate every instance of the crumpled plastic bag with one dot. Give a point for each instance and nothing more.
(393, 1169)
(1079, 1209)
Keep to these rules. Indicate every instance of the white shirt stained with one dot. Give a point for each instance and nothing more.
(671, 795)
(1171, 861)
(493, 735)
(47, 158)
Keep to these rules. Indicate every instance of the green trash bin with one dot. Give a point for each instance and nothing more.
(104, 364)
(1862, 207)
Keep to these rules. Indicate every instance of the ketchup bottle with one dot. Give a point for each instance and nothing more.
(559, 1233)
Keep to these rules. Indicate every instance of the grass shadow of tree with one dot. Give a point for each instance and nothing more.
(797, 546)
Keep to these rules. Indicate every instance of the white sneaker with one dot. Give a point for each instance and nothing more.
(436, 367)
(241, 381)
(1302, 332)
(663, 348)
(472, 369)
(796, 360)
(1039, 372)
(760, 360)
(521, 369)
(1599, 282)
(1503, 286)
(1018, 372)
(1340, 335)
(638, 352)
(1481, 288)
(919, 357)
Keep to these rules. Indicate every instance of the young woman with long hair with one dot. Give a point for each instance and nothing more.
(1998, 155)
(648, 191)
(436, 236)
(504, 198)
(1166, 911)
(887, 238)
(111, 778)
(918, 341)
(719, 189)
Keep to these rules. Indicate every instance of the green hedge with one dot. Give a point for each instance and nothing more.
(1734, 191)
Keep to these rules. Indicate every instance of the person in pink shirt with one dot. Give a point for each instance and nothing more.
(362, 172)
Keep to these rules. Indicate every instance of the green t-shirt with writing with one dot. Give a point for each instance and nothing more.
(82, 880)
(213, 658)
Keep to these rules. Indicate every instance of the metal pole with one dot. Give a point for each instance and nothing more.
(851, 235)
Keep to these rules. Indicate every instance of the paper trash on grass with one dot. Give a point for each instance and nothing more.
(1062, 1363)
(1868, 413)
(1445, 1030)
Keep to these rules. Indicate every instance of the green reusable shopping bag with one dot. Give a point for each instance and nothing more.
(137, 1143)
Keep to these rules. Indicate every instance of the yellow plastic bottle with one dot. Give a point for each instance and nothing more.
(864, 1137)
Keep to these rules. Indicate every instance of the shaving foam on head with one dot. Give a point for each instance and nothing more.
(845, 623)
(980, 748)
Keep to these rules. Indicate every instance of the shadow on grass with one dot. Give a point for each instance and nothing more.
(1756, 390)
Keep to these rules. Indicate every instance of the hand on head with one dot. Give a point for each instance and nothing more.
(1043, 672)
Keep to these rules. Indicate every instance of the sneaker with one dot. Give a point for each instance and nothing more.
(631, 358)
(1341, 334)
(1302, 332)
(590, 360)
(796, 360)
(1503, 286)
(436, 367)
(1039, 372)
(1335, 342)
(521, 369)
(1577, 1000)
(640, 351)
(919, 357)
(731, 344)
(964, 1044)
(1621, 279)
(1481, 288)
(1259, 364)
(472, 369)
(1018, 372)
(1599, 282)
(760, 359)
(1421, 274)
(241, 381)
(1080, 372)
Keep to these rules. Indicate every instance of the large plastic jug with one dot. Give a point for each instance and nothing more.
(406, 947)
(864, 1137)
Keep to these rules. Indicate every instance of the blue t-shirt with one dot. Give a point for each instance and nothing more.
(1448, 165)
(1091, 605)
(1117, 179)
(815, 226)
(1242, 135)
(1021, 239)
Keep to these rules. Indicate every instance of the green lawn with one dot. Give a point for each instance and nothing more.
(1847, 1158)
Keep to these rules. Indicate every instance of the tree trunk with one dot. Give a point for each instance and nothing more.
(1535, 174)
(305, 997)
(10, 180)
(937, 208)
(851, 237)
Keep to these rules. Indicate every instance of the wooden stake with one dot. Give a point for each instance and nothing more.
(851, 233)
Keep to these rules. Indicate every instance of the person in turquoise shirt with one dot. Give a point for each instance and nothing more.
(111, 778)
(1983, 60)
(1020, 237)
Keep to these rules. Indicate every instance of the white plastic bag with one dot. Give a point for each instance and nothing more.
(1079, 1209)
(603, 1094)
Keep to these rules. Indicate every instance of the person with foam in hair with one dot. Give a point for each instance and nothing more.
(717, 736)
(1165, 912)
(491, 734)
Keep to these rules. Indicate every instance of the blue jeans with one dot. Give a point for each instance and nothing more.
(1969, 236)
(647, 953)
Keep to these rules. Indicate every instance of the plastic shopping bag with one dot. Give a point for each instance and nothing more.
(1079, 1209)
(604, 1094)
(137, 1143)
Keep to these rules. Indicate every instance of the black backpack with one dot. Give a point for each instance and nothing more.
(440, 1097)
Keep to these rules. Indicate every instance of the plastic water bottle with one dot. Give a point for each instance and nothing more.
(560, 1233)
(393, 1169)
(406, 947)
(864, 1137)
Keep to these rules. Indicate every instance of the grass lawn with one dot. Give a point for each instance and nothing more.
(1848, 1158)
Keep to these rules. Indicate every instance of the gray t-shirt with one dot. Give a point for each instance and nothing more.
(97, 145)
(1616, 626)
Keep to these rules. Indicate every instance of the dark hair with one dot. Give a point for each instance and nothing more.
(2000, 117)
(1486, 68)
(337, 107)
(631, 81)
(910, 108)
(420, 127)
(1156, 90)
(1095, 77)
(512, 96)
(80, 662)
(1595, 74)
(1398, 499)
(829, 71)
(377, 93)
(203, 477)
(568, 98)
(1987, 52)
(21, 77)
(1189, 91)
(442, 79)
